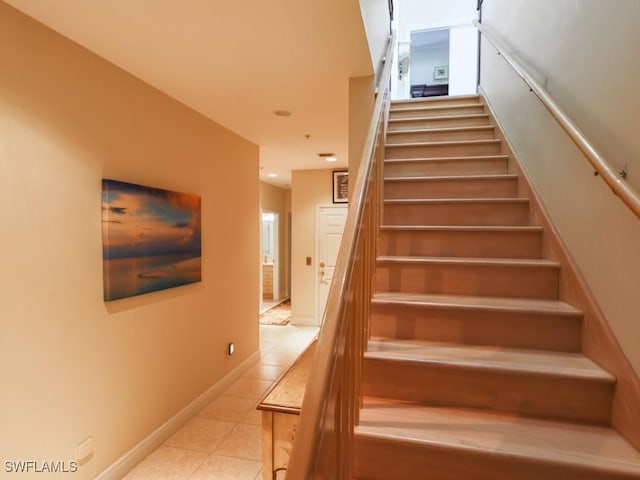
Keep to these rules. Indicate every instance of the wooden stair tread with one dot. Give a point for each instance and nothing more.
(534, 262)
(570, 365)
(539, 306)
(594, 447)
(441, 129)
(444, 142)
(462, 178)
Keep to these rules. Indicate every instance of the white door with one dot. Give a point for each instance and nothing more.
(330, 222)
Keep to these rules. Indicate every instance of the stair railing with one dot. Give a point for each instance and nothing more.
(323, 445)
(604, 169)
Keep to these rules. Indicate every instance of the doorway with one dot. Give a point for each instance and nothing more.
(270, 261)
(437, 61)
(330, 221)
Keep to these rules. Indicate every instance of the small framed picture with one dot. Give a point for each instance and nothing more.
(340, 186)
(441, 73)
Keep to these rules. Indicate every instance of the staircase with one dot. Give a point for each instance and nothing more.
(474, 367)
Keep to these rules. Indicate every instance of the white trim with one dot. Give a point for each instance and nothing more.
(422, 27)
(303, 322)
(130, 459)
(276, 255)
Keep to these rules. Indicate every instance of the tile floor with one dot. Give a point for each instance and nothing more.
(267, 304)
(223, 441)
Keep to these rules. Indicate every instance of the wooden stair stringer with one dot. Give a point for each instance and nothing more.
(598, 340)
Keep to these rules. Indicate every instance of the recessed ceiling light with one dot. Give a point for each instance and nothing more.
(272, 175)
(282, 113)
(331, 159)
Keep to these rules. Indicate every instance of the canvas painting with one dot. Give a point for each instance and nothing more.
(151, 239)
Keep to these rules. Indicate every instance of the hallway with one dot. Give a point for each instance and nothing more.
(223, 441)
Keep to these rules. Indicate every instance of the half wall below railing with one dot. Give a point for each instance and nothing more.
(603, 168)
(323, 446)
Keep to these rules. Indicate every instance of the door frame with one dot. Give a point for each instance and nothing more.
(276, 253)
(316, 282)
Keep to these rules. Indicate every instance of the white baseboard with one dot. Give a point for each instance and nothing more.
(130, 459)
(303, 322)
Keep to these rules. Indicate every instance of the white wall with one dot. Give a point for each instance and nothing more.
(375, 16)
(423, 62)
(463, 60)
(586, 53)
(73, 366)
(426, 14)
(416, 15)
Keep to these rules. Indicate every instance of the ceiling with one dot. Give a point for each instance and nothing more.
(430, 39)
(236, 62)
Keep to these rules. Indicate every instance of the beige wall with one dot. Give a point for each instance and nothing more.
(73, 366)
(278, 200)
(361, 103)
(308, 189)
(586, 55)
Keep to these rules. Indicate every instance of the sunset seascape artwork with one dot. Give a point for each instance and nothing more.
(151, 239)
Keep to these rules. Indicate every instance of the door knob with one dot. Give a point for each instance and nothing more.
(321, 264)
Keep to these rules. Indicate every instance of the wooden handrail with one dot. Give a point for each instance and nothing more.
(323, 446)
(615, 180)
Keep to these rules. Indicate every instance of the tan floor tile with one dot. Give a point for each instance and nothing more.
(244, 441)
(248, 388)
(262, 371)
(230, 408)
(267, 346)
(200, 434)
(252, 417)
(220, 467)
(167, 463)
(276, 358)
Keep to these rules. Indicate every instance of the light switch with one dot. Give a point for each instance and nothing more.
(308, 260)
